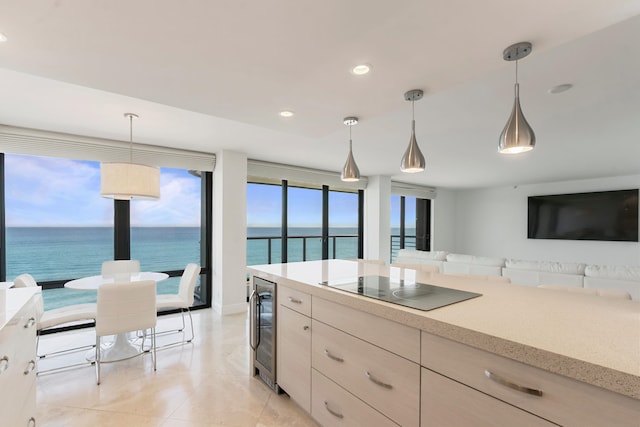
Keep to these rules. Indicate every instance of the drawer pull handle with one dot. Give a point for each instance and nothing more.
(4, 364)
(32, 422)
(295, 300)
(30, 323)
(30, 367)
(332, 357)
(305, 327)
(377, 381)
(332, 412)
(511, 385)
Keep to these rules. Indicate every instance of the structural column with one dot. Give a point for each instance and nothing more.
(229, 233)
(377, 218)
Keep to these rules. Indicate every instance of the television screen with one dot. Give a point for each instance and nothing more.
(604, 215)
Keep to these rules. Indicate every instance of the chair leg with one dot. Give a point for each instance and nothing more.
(153, 344)
(98, 360)
(193, 334)
(183, 324)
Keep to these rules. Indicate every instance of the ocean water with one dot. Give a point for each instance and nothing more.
(304, 243)
(65, 253)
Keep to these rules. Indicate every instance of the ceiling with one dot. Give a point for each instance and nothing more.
(212, 75)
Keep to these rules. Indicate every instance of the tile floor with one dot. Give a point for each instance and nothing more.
(205, 383)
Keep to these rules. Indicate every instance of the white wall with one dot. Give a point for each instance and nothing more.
(377, 218)
(229, 233)
(493, 222)
(443, 225)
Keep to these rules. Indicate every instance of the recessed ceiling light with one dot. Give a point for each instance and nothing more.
(561, 88)
(3, 38)
(286, 113)
(361, 69)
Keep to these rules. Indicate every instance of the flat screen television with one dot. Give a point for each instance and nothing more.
(603, 215)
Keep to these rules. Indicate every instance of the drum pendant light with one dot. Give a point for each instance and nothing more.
(517, 136)
(413, 160)
(126, 181)
(350, 171)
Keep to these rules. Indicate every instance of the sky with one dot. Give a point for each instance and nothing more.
(264, 207)
(46, 191)
(56, 192)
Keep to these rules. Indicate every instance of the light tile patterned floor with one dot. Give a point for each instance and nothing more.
(205, 383)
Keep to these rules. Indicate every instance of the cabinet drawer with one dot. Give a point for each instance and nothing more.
(399, 339)
(448, 403)
(388, 382)
(333, 406)
(295, 300)
(563, 400)
(294, 356)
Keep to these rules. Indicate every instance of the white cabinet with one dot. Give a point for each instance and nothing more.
(553, 397)
(294, 346)
(18, 362)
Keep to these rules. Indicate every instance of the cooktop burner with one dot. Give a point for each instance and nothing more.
(421, 296)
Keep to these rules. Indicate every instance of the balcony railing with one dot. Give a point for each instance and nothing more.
(268, 249)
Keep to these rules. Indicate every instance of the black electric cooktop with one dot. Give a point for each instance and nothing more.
(421, 296)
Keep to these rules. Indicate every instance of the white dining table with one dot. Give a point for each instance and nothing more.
(121, 348)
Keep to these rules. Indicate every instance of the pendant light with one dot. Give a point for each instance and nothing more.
(413, 160)
(517, 136)
(350, 171)
(126, 181)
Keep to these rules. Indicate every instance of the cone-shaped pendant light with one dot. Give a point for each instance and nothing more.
(413, 160)
(517, 136)
(126, 181)
(350, 171)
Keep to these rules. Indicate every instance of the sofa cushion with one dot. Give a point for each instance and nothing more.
(476, 260)
(412, 256)
(547, 266)
(621, 272)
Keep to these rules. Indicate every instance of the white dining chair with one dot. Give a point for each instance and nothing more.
(126, 307)
(57, 317)
(184, 298)
(120, 267)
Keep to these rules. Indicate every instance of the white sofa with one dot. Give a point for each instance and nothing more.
(414, 257)
(535, 273)
(470, 264)
(532, 273)
(613, 277)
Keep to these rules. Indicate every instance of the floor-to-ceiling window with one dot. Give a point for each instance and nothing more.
(304, 227)
(310, 223)
(57, 227)
(344, 225)
(264, 223)
(410, 223)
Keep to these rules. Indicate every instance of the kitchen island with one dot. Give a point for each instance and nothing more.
(517, 353)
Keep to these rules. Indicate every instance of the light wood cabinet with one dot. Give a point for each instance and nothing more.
(294, 352)
(448, 403)
(18, 366)
(378, 377)
(553, 397)
(334, 406)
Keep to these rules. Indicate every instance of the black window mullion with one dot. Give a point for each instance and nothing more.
(360, 224)
(402, 222)
(325, 222)
(285, 221)
(121, 229)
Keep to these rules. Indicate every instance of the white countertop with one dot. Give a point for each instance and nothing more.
(588, 338)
